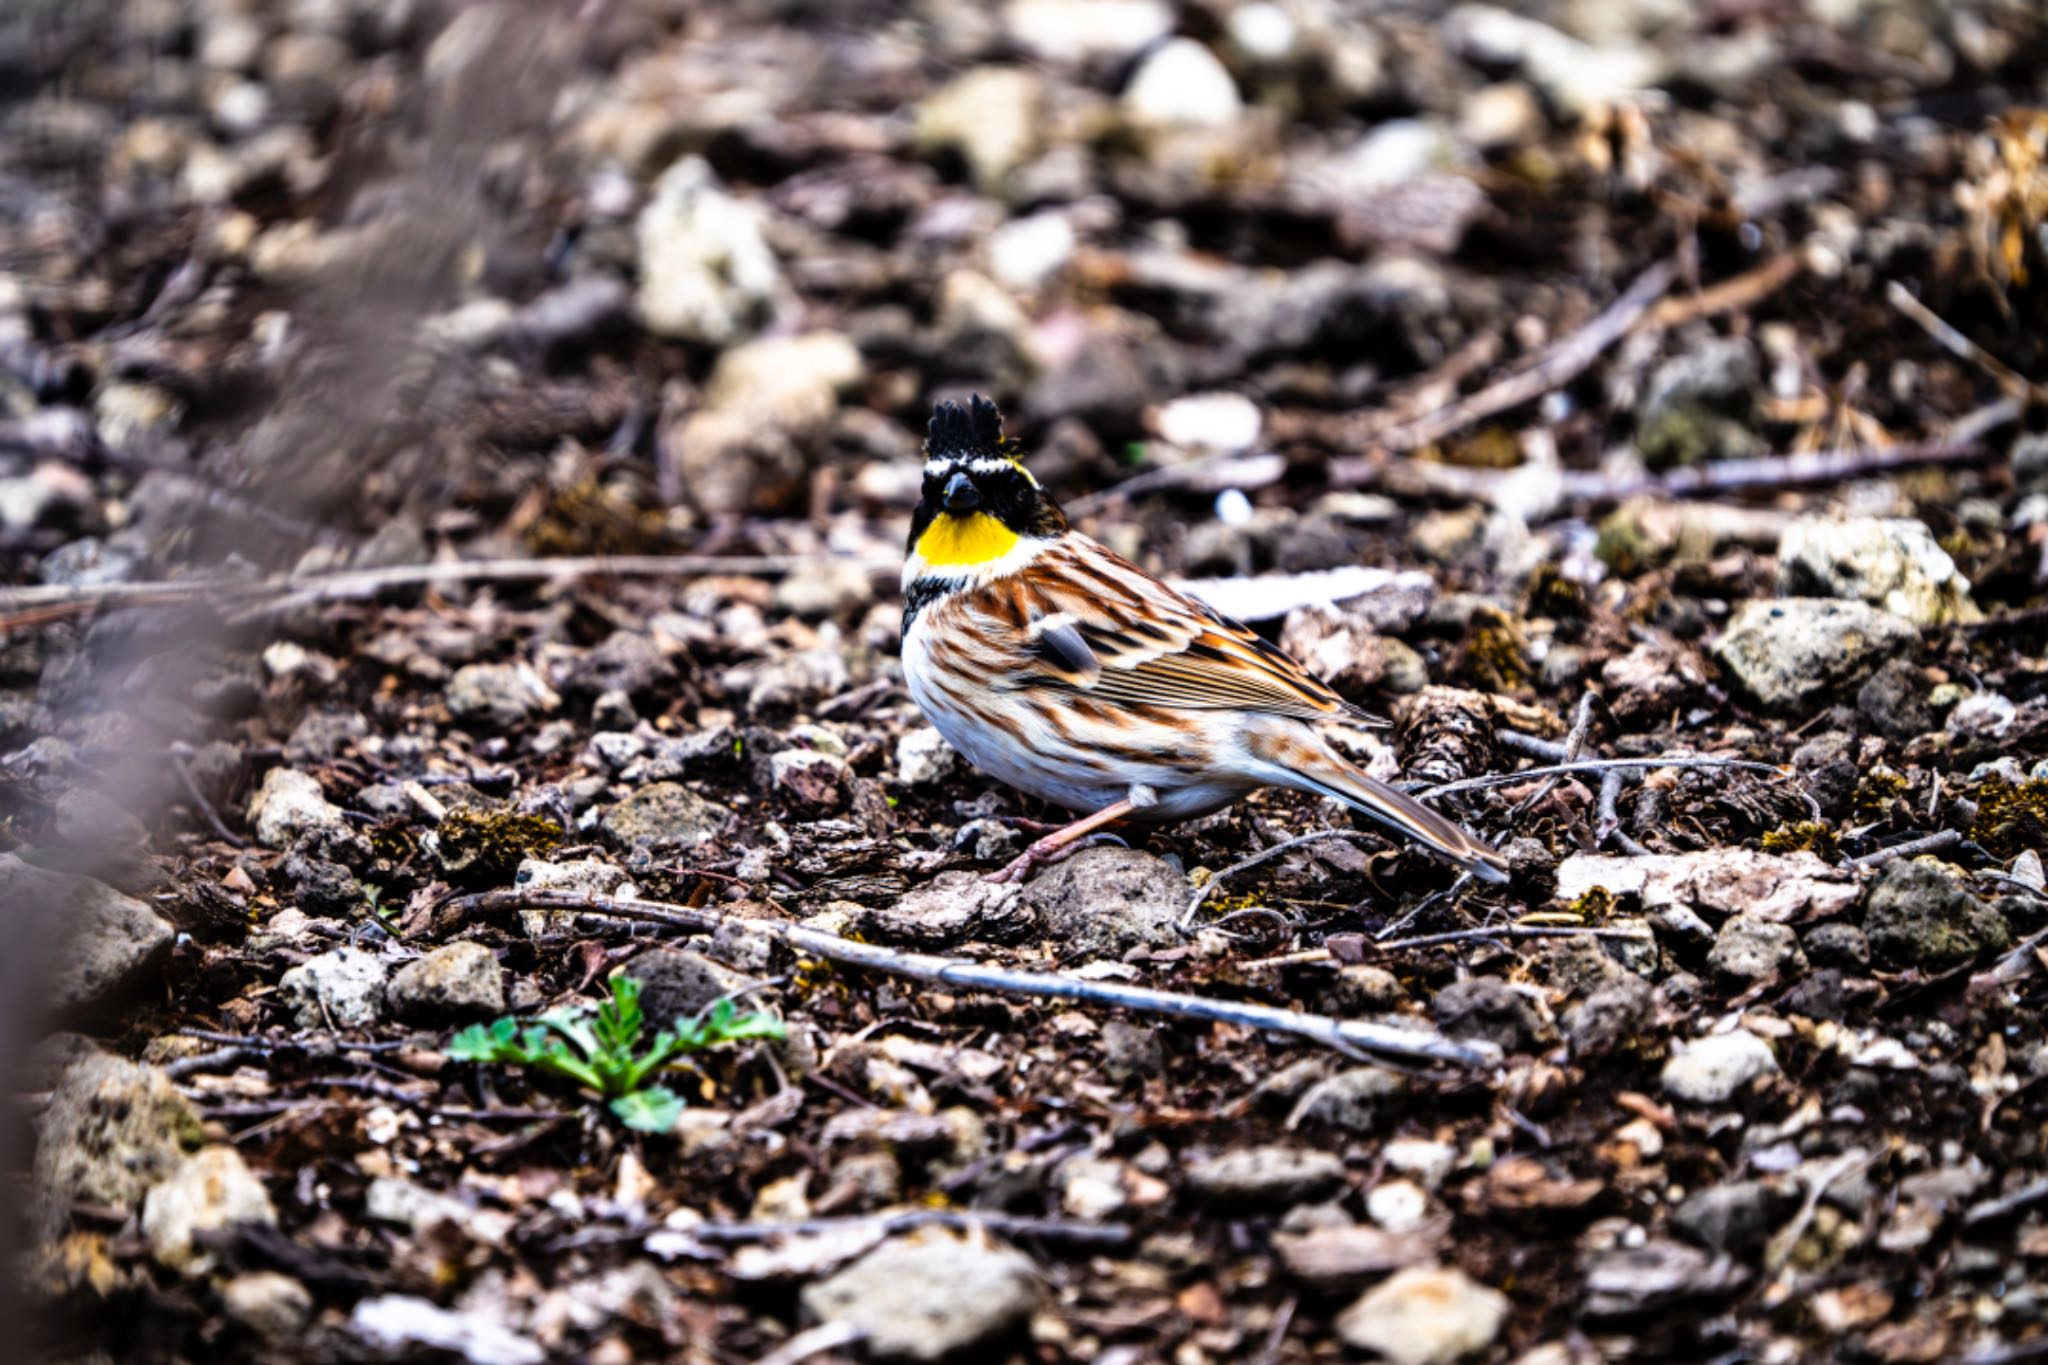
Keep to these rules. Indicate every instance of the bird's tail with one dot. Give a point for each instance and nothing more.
(1316, 767)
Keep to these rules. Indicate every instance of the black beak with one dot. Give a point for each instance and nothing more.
(961, 494)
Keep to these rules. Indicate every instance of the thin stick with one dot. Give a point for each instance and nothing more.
(1216, 879)
(1552, 368)
(1574, 745)
(1515, 931)
(204, 806)
(1901, 298)
(909, 1220)
(1594, 765)
(1767, 473)
(1344, 1035)
(813, 1341)
(1912, 848)
(295, 591)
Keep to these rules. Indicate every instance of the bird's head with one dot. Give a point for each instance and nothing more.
(978, 500)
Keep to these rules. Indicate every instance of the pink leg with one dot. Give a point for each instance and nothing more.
(1060, 842)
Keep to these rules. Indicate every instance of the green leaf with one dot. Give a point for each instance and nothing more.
(478, 1043)
(654, 1110)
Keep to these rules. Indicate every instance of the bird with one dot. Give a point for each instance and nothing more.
(1064, 670)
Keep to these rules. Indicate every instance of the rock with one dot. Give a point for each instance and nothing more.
(826, 588)
(402, 1327)
(1182, 85)
(1131, 1051)
(666, 815)
(1610, 1019)
(459, 980)
(1270, 1178)
(1733, 1217)
(1894, 564)
(952, 907)
(1485, 1008)
(108, 942)
(627, 662)
(1626, 1280)
(767, 403)
(1339, 647)
(1353, 1101)
(1791, 652)
(324, 736)
(923, 758)
(581, 876)
(342, 989)
(1752, 949)
(1838, 945)
(501, 695)
(1894, 702)
(1425, 1316)
(273, 1306)
(990, 116)
(1429, 1162)
(706, 272)
(1105, 901)
(1087, 30)
(1214, 423)
(289, 804)
(1025, 254)
(676, 983)
(810, 778)
(1575, 76)
(1785, 888)
(212, 1189)
(112, 1129)
(1918, 917)
(1712, 1070)
(1398, 1206)
(929, 1297)
(1502, 116)
(1342, 1256)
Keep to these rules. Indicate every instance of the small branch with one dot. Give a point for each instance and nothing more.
(2006, 1205)
(1574, 745)
(909, 1220)
(1515, 931)
(1931, 843)
(1767, 473)
(1552, 368)
(813, 1341)
(289, 592)
(1216, 879)
(1901, 298)
(1344, 1035)
(1594, 765)
(1610, 818)
(204, 806)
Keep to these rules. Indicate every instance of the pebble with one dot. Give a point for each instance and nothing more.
(707, 274)
(459, 980)
(1790, 652)
(1425, 1315)
(275, 1307)
(1712, 1070)
(212, 1189)
(111, 1130)
(1105, 901)
(1398, 1205)
(928, 1298)
(1265, 1177)
(1890, 563)
(501, 695)
(990, 115)
(666, 815)
(923, 758)
(1358, 1100)
(110, 941)
(1210, 422)
(1752, 949)
(1182, 84)
(342, 989)
(1918, 916)
(289, 804)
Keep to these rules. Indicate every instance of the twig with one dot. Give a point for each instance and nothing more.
(1216, 879)
(1594, 765)
(1930, 843)
(1552, 368)
(2018, 962)
(1901, 298)
(1740, 292)
(288, 592)
(204, 806)
(2006, 1205)
(1767, 473)
(909, 1220)
(1549, 750)
(1344, 1035)
(1787, 1241)
(1574, 745)
(1516, 931)
(1211, 474)
(1610, 819)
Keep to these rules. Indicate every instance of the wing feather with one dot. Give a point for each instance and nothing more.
(1109, 629)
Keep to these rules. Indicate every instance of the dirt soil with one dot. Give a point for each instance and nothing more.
(1646, 390)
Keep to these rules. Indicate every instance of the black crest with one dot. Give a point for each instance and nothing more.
(976, 429)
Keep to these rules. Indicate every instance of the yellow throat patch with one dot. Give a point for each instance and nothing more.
(952, 541)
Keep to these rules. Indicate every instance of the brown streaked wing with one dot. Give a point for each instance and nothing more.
(1152, 645)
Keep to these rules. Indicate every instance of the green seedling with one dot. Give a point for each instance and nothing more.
(602, 1051)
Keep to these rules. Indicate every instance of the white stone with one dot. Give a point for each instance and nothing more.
(706, 272)
(923, 757)
(1398, 1205)
(1425, 1315)
(1711, 1070)
(1183, 85)
(1086, 30)
(1025, 253)
(1262, 30)
(1428, 1162)
(213, 1189)
(1892, 563)
(1210, 422)
(340, 989)
(288, 804)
